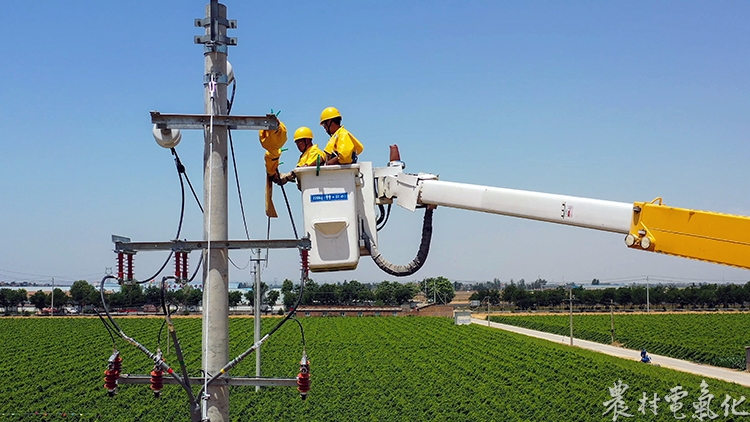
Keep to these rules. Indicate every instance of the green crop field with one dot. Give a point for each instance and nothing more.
(713, 339)
(363, 369)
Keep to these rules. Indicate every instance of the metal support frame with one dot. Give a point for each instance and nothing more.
(191, 245)
(200, 121)
(261, 382)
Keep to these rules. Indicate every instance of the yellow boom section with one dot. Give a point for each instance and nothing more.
(703, 235)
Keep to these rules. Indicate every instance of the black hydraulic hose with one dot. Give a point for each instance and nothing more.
(381, 214)
(416, 263)
(383, 218)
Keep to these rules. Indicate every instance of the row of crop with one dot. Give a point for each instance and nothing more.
(714, 339)
(363, 369)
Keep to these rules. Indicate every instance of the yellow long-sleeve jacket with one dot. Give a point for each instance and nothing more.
(310, 157)
(345, 146)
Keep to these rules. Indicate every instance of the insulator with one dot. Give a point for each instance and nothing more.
(110, 381)
(304, 253)
(177, 265)
(112, 373)
(185, 266)
(130, 266)
(116, 363)
(303, 378)
(157, 381)
(120, 266)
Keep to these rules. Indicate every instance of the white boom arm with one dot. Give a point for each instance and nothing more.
(425, 189)
(339, 201)
(574, 211)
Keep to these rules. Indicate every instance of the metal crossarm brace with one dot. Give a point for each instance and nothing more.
(262, 382)
(200, 121)
(190, 245)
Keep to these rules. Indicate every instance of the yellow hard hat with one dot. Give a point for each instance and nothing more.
(329, 113)
(302, 133)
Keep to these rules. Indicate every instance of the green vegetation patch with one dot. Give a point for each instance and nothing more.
(363, 369)
(713, 339)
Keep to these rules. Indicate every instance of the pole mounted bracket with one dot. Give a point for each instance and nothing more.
(220, 40)
(206, 22)
(217, 77)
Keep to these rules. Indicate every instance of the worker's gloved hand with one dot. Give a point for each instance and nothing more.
(288, 177)
(276, 178)
(283, 178)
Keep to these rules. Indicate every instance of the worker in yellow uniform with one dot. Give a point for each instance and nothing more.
(343, 147)
(311, 154)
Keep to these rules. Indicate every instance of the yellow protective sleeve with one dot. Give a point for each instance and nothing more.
(272, 161)
(272, 140)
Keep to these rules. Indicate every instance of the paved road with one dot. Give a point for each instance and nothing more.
(742, 378)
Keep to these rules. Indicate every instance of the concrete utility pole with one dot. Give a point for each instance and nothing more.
(612, 319)
(571, 314)
(257, 312)
(216, 273)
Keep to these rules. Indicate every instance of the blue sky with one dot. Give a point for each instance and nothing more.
(618, 101)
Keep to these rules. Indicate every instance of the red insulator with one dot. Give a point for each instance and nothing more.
(112, 374)
(303, 378)
(120, 265)
(305, 254)
(110, 381)
(157, 381)
(116, 364)
(177, 265)
(185, 266)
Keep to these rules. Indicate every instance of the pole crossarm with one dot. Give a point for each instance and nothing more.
(200, 121)
(262, 382)
(190, 245)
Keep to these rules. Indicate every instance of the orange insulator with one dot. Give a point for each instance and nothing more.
(110, 381)
(305, 256)
(112, 373)
(303, 378)
(157, 381)
(116, 364)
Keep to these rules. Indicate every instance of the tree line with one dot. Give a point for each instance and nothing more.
(353, 292)
(131, 296)
(702, 295)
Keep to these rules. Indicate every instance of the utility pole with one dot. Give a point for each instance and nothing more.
(571, 314)
(216, 273)
(648, 301)
(257, 312)
(52, 312)
(612, 318)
